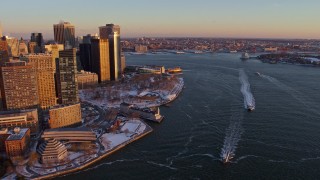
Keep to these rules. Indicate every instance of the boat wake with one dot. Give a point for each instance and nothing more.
(249, 101)
(233, 135)
(295, 94)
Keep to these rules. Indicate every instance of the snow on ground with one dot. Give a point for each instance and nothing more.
(10, 177)
(131, 126)
(43, 171)
(111, 140)
(103, 102)
(23, 171)
(74, 155)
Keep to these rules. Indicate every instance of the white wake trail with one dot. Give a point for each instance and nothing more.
(233, 136)
(249, 101)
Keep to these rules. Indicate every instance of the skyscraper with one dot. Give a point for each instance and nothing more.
(85, 52)
(64, 33)
(38, 39)
(100, 59)
(44, 66)
(115, 55)
(112, 33)
(108, 29)
(66, 81)
(18, 86)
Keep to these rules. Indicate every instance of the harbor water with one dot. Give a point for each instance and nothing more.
(280, 139)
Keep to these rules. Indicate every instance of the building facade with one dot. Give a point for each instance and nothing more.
(100, 59)
(64, 116)
(86, 79)
(20, 118)
(66, 81)
(85, 56)
(70, 135)
(23, 48)
(19, 86)
(112, 33)
(141, 49)
(52, 151)
(44, 66)
(115, 55)
(13, 46)
(123, 63)
(64, 33)
(18, 142)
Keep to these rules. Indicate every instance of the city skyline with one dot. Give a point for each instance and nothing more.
(248, 19)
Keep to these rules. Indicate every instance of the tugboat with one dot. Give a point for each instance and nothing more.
(245, 56)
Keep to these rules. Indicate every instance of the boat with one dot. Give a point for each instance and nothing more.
(250, 108)
(245, 56)
(226, 159)
(257, 73)
(180, 52)
(233, 51)
(174, 70)
(198, 52)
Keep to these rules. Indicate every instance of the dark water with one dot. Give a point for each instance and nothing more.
(279, 140)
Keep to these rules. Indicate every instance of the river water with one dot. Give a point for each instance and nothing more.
(280, 139)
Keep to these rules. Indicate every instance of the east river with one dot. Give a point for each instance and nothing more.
(280, 139)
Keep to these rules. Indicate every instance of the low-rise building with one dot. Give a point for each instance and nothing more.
(152, 114)
(64, 116)
(141, 49)
(20, 118)
(86, 79)
(52, 151)
(70, 135)
(18, 142)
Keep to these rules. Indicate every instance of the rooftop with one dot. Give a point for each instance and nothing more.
(18, 136)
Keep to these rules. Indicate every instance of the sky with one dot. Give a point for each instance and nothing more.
(167, 18)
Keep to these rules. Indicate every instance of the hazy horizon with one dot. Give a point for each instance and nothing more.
(229, 19)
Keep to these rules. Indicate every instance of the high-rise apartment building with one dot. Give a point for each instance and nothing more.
(18, 86)
(100, 59)
(64, 33)
(45, 67)
(66, 81)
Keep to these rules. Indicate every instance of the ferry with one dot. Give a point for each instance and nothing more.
(245, 56)
(174, 70)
